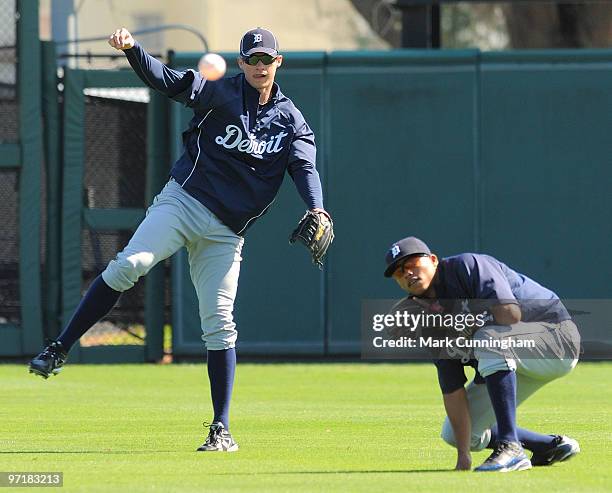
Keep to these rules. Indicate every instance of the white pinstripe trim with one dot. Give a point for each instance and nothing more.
(258, 215)
(198, 156)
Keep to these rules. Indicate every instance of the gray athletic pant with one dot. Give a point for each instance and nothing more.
(176, 219)
(555, 355)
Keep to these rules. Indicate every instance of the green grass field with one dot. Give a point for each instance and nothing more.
(301, 427)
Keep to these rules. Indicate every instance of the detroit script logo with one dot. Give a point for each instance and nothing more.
(249, 145)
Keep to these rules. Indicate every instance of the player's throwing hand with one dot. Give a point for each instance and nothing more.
(121, 39)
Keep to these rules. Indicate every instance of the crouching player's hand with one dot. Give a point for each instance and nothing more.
(464, 461)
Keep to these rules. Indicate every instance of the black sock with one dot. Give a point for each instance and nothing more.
(221, 369)
(97, 302)
(502, 392)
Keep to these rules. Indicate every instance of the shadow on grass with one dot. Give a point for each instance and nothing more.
(131, 452)
(280, 473)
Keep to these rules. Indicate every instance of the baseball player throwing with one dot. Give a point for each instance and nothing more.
(522, 313)
(244, 135)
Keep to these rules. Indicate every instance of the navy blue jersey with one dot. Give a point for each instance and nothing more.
(236, 152)
(472, 276)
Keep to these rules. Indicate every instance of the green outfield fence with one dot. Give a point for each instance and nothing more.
(21, 180)
(505, 153)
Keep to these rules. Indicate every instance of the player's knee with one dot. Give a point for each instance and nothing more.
(141, 262)
(122, 272)
(478, 442)
(447, 433)
(488, 364)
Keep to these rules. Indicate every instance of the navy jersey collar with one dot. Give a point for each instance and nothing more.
(251, 101)
(277, 94)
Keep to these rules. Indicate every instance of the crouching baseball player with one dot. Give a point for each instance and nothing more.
(521, 313)
(244, 136)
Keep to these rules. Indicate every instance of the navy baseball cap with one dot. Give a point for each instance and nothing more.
(402, 249)
(258, 40)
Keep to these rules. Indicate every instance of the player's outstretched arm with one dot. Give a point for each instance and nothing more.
(458, 412)
(151, 71)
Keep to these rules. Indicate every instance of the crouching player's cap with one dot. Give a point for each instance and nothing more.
(404, 248)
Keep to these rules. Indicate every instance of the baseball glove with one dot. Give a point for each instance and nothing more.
(316, 231)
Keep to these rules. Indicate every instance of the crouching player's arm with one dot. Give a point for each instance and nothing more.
(506, 314)
(458, 412)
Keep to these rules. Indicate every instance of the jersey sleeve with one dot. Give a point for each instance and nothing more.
(301, 166)
(451, 375)
(486, 279)
(187, 87)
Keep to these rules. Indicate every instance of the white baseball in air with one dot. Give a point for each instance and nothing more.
(212, 66)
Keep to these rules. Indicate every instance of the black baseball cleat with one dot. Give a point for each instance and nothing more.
(507, 456)
(562, 448)
(50, 361)
(218, 440)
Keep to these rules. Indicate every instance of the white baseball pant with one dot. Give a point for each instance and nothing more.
(176, 219)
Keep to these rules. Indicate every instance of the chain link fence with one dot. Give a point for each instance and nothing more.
(9, 179)
(9, 122)
(114, 177)
(9, 249)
